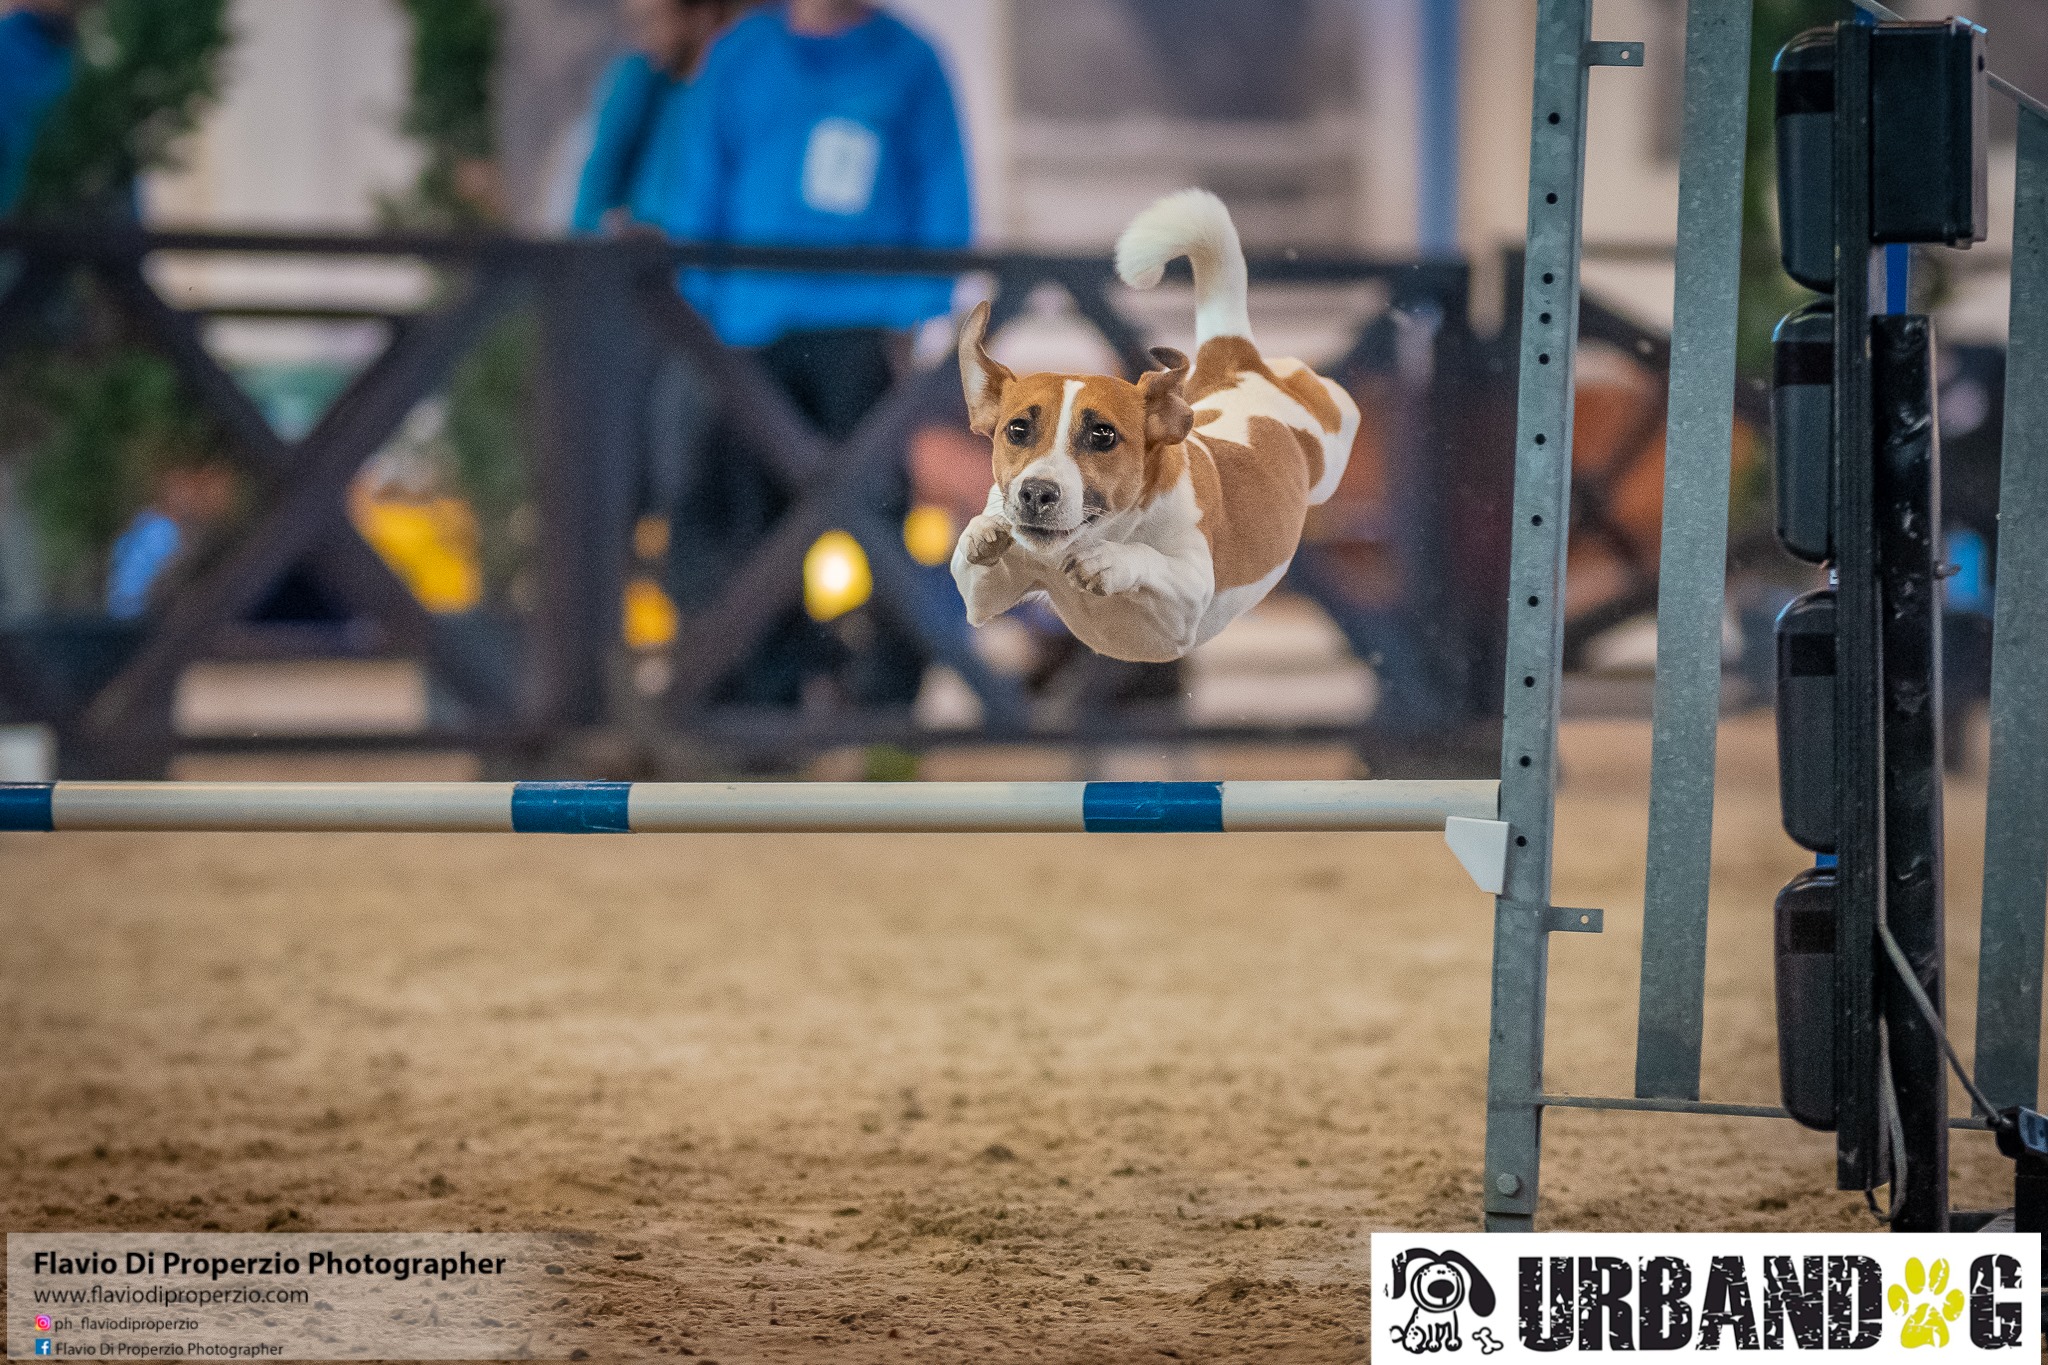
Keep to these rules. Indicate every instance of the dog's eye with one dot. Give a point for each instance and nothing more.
(1102, 436)
(1019, 432)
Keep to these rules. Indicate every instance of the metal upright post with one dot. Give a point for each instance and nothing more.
(585, 424)
(2016, 799)
(1542, 510)
(1693, 558)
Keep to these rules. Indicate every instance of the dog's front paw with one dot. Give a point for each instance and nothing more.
(1102, 570)
(985, 540)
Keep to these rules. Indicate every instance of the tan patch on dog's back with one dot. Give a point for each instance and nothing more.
(1306, 388)
(1253, 493)
(1223, 359)
(1253, 497)
(1218, 364)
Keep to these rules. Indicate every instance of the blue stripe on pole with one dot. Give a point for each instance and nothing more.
(25, 806)
(570, 808)
(1152, 808)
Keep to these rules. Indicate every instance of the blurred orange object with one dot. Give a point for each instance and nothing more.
(651, 618)
(430, 543)
(837, 578)
(929, 533)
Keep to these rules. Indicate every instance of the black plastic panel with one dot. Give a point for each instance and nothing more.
(1805, 968)
(1930, 131)
(1803, 421)
(1805, 82)
(1806, 720)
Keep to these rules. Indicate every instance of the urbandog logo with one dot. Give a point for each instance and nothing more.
(1440, 1285)
(1841, 1296)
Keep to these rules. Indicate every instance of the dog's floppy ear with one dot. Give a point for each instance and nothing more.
(1482, 1292)
(1168, 418)
(1401, 1268)
(982, 379)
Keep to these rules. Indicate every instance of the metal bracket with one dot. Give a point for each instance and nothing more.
(1560, 919)
(1612, 54)
(1481, 847)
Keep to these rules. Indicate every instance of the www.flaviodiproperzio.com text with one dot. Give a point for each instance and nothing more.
(166, 1295)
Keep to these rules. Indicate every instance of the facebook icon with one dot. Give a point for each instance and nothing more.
(44, 1346)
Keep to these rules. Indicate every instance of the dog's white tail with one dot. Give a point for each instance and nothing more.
(1194, 224)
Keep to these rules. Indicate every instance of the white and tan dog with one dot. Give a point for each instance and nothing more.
(1152, 514)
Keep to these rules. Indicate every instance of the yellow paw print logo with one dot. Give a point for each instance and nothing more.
(1928, 1317)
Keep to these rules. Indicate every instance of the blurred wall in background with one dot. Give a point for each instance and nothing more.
(306, 135)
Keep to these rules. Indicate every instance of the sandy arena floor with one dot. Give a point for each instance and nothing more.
(1023, 1098)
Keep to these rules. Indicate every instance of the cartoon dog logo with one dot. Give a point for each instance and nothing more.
(1441, 1285)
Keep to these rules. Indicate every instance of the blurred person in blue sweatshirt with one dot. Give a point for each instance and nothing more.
(636, 124)
(638, 110)
(818, 123)
(36, 42)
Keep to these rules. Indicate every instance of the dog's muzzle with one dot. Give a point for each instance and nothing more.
(1038, 509)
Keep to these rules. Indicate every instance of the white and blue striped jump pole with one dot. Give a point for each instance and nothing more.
(1465, 811)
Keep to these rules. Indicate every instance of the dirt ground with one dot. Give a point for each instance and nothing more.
(864, 1099)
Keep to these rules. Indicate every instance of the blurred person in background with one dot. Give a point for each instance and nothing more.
(638, 109)
(37, 38)
(814, 123)
(636, 124)
(189, 501)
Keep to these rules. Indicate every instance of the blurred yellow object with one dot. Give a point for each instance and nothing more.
(928, 533)
(651, 618)
(650, 538)
(429, 543)
(836, 576)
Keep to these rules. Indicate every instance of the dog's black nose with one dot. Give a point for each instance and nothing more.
(1036, 497)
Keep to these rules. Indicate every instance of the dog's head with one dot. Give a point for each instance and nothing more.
(1441, 1281)
(1073, 452)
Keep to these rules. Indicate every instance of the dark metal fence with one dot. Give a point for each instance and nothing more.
(528, 689)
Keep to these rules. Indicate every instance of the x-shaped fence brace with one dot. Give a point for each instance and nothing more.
(302, 518)
(832, 485)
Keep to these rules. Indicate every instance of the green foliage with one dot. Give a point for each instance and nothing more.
(451, 113)
(489, 401)
(95, 415)
(115, 421)
(144, 74)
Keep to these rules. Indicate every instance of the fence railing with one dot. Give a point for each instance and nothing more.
(1441, 398)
